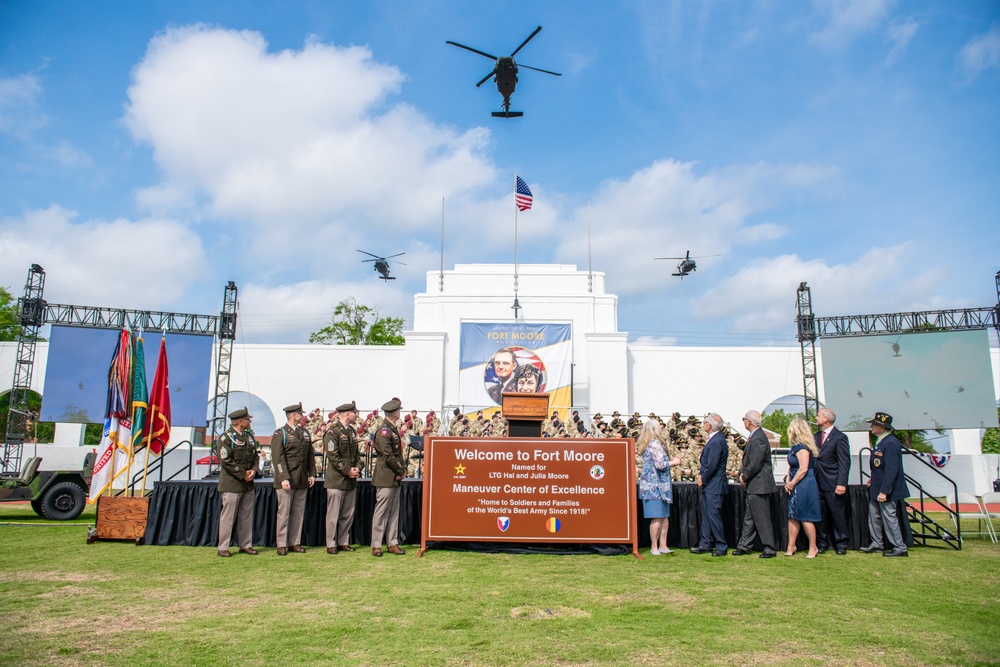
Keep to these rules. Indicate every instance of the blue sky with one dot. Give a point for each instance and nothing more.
(150, 152)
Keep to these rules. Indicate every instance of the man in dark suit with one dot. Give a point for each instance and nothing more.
(886, 486)
(714, 487)
(757, 477)
(833, 465)
(504, 365)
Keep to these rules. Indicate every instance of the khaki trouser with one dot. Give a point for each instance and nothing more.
(339, 516)
(291, 511)
(385, 523)
(233, 505)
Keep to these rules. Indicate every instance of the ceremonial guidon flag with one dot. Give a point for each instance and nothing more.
(522, 195)
(114, 453)
(156, 433)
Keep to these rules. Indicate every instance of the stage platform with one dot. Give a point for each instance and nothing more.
(187, 513)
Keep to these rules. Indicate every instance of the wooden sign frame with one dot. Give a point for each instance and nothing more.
(531, 490)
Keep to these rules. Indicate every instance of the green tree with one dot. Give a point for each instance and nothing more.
(357, 324)
(778, 422)
(10, 327)
(991, 438)
(917, 440)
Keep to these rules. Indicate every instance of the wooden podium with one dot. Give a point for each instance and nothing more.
(524, 413)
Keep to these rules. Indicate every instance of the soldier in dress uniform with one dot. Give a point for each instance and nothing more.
(389, 472)
(343, 465)
(294, 474)
(239, 457)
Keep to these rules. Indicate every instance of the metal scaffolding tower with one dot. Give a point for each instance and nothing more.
(225, 335)
(30, 317)
(806, 328)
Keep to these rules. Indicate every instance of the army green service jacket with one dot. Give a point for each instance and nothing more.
(340, 446)
(390, 456)
(292, 457)
(238, 452)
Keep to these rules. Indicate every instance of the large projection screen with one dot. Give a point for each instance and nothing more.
(76, 374)
(932, 380)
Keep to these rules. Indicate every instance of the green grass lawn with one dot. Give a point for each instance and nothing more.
(69, 603)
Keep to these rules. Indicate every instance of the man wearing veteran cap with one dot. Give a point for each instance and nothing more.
(389, 472)
(294, 473)
(343, 464)
(886, 486)
(239, 457)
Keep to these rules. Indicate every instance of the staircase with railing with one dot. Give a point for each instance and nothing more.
(156, 466)
(920, 504)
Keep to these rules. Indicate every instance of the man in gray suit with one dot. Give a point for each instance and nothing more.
(757, 477)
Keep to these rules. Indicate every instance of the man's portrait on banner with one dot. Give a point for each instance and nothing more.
(514, 369)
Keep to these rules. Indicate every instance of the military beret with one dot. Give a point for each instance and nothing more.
(392, 406)
(348, 407)
(294, 408)
(242, 413)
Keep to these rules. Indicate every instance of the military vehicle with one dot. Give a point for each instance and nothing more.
(59, 495)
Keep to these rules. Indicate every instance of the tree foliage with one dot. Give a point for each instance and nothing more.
(357, 324)
(991, 438)
(778, 422)
(917, 440)
(10, 327)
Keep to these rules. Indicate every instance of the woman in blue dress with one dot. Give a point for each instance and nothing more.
(800, 483)
(655, 487)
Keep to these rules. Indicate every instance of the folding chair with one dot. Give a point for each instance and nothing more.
(979, 513)
(991, 503)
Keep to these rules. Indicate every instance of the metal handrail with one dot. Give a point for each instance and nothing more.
(157, 465)
(921, 512)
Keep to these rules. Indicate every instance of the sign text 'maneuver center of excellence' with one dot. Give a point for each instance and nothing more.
(529, 490)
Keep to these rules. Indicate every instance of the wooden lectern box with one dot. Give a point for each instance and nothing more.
(524, 413)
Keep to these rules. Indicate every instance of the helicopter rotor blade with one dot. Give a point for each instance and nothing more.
(544, 71)
(469, 48)
(486, 78)
(668, 258)
(369, 260)
(537, 30)
(369, 254)
(398, 262)
(396, 255)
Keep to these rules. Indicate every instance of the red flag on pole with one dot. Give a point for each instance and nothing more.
(157, 427)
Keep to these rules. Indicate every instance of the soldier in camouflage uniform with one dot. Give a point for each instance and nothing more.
(239, 457)
(736, 443)
(294, 474)
(343, 465)
(616, 422)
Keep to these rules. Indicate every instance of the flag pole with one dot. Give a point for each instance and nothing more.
(515, 237)
(441, 275)
(590, 263)
(145, 464)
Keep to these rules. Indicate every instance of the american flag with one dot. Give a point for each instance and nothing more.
(522, 195)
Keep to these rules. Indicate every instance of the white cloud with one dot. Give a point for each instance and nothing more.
(668, 209)
(294, 142)
(20, 114)
(147, 264)
(760, 298)
(846, 18)
(981, 53)
(900, 35)
(289, 313)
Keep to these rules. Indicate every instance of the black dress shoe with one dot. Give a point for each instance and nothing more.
(767, 554)
(870, 549)
(841, 551)
(720, 553)
(698, 550)
(740, 552)
(820, 550)
(896, 554)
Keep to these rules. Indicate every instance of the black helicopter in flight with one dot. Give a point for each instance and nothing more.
(382, 263)
(687, 265)
(505, 74)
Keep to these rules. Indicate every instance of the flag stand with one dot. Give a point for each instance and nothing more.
(120, 518)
